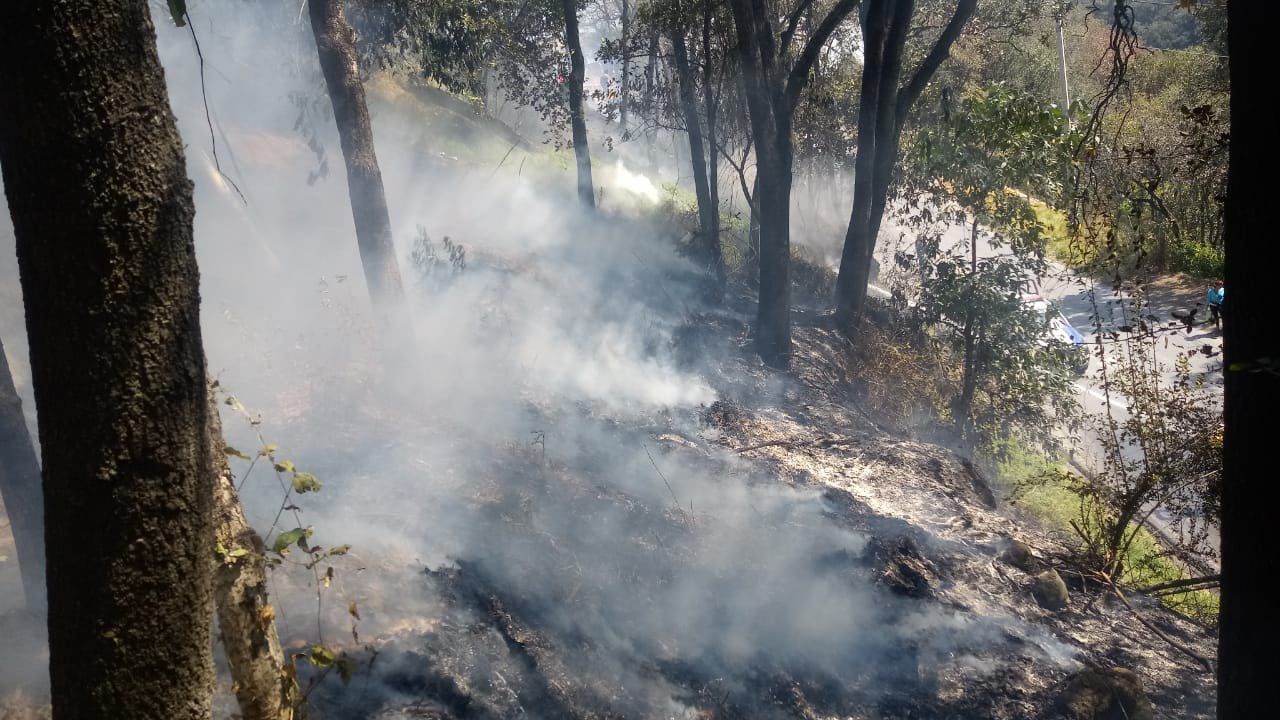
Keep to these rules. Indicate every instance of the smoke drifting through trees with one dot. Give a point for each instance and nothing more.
(560, 329)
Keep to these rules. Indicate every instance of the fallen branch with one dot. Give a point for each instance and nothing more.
(1203, 661)
(1185, 583)
(664, 478)
(793, 444)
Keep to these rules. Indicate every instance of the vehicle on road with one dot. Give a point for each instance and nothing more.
(1060, 335)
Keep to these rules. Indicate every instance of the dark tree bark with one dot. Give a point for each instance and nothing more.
(708, 234)
(1249, 632)
(709, 102)
(20, 488)
(773, 179)
(102, 213)
(883, 110)
(336, 45)
(577, 117)
(772, 86)
(874, 29)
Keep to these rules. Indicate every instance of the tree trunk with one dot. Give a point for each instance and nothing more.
(246, 623)
(336, 45)
(772, 95)
(1249, 632)
(969, 379)
(650, 78)
(624, 88)
(577, 117)
(773, 181)
(102, 213)
(713, 165)
(753, 233)
(708, 239)
(773, 314)
(20, 488)
(851, 283)
(889, 118)
(887, 23)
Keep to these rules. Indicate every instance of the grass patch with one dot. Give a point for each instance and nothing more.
(1058, 244)
(1056, 506)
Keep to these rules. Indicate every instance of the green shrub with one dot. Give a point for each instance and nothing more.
(1198, 259)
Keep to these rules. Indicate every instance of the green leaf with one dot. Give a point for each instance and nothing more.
(322, 656)
(266, 450)
(178, 9)
(229, 556)
(285, 466)
(285, 539)
(305, 482)
(235, 453)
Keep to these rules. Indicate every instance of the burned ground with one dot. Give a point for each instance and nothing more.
(842, 572)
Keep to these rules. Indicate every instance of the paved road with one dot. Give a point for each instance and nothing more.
(1092, 309)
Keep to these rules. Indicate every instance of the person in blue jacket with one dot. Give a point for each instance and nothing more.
(1214, 300)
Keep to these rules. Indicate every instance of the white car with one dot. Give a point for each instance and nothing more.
(1059, 333)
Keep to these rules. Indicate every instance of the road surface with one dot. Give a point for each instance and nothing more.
(1095, 309)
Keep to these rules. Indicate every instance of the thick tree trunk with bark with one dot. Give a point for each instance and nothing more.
(102, 213)
(336, 45)
(246, 620)
(20, 488)
(855, 259)
(577, 116)
(708, 243)
(1249, 632)
(773, 314)
(883, 110)
(773, 182)
(772, 83)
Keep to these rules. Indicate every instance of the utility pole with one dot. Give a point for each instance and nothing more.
(1062, 68)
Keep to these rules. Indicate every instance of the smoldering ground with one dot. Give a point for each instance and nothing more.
(529, 533)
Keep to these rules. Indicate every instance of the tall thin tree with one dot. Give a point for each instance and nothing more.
(883, 110)
(577, 116)
(102, 212)
(773, 80)
(708, 214)
(710, 103)
(336, 45)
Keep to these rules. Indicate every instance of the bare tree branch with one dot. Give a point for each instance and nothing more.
(799, 75)
(937, 54)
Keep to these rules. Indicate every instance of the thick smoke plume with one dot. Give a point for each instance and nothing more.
(535, 427)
